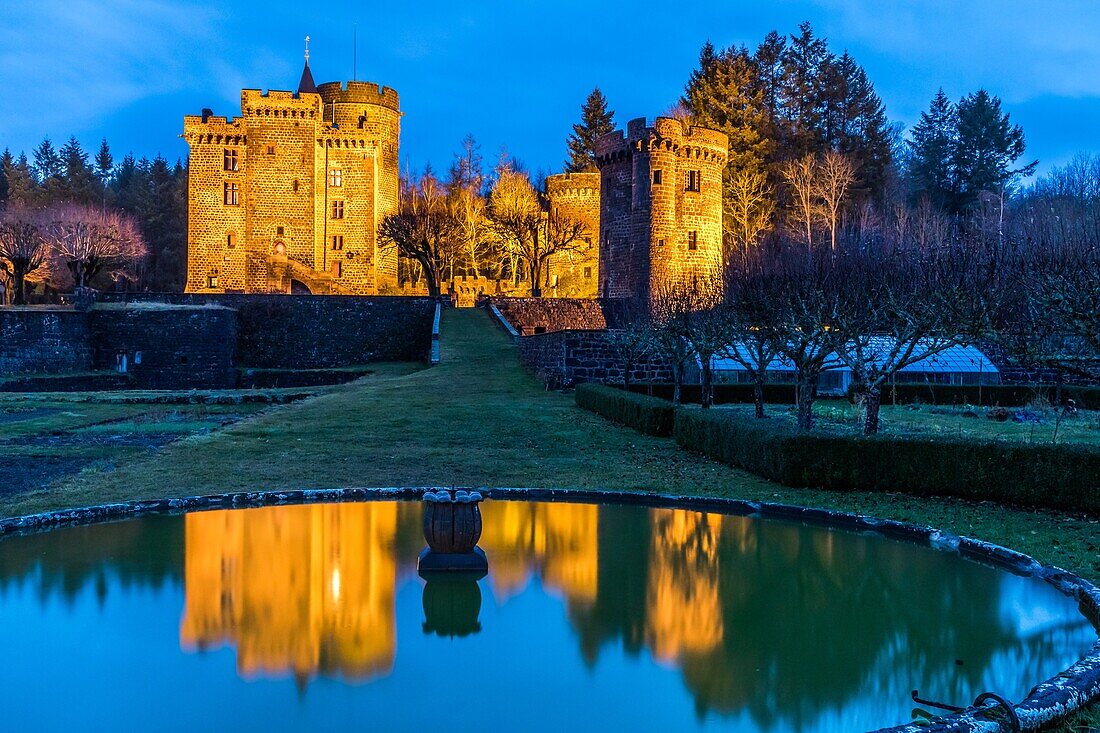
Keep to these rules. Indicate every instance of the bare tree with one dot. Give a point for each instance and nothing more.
(90, 242)
(424, 230)
(750, 318)
(23, 250)
(750, 203)
(898, 305)
(832, 177)
(533, 232)
(671, 305)
(800, 176)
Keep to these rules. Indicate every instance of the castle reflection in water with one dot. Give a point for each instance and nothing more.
(771, 618)
(310, 589)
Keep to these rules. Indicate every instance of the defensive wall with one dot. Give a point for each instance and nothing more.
(177, 341)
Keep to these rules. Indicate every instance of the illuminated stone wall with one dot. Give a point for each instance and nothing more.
(575, 273)
(292, 157)
(660, 206)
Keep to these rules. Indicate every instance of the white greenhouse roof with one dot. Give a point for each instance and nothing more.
(953, 360)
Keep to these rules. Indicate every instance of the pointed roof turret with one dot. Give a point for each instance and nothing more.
(306, 85)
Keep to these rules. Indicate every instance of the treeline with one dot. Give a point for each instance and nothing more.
(812, 150)
(150, 194)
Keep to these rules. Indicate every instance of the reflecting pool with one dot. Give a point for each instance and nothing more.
(591, 618)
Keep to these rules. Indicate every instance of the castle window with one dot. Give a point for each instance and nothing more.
(212, 281)
(693, 181)
(230, 160)
(338, 209)
(271, 150)
(295, 185)
(588, 273)
(657, 177)
(279, 231)
(337, 268)
(337, 242)
(232, 194)
(660, 243)
(230, 240)
(588, 242)
(336, 178)
(693, 240)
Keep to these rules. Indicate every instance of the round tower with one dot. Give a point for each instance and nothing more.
(376, 110)
(576, 196)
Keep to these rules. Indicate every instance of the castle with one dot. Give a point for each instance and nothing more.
(287, 198)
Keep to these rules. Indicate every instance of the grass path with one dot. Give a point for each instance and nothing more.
(480, 419)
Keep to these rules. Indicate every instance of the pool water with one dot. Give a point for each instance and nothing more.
(591, 618)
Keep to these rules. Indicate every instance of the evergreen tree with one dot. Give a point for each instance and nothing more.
(79, 180)
(769, 77)
(931, 151)
(805, 66)
(724, 94)
(22, 190)
(596, 120)
(861, 129)
(987, 147)
(7, 161)
(49, 171)
(104, 168)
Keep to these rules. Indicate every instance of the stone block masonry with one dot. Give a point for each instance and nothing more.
(565, 358)
(316, 331)
(166, 346)
(44, 341)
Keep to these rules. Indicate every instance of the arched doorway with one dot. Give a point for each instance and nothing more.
(297, 287)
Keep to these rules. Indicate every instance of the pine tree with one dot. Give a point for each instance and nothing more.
(805, 65)
(931, 150)
(7, 161)
(986, 149)
(49, 171)
(79, 181)
(22, 190)
(104, 168)
(596, 120)
(861, 131)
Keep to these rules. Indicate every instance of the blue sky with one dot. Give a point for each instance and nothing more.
(515, 73)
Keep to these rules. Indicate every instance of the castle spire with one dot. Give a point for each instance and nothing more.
(306, 85)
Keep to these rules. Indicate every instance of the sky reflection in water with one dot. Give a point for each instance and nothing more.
(591, 618)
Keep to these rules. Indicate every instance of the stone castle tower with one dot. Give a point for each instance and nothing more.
(288, 196)
(575, 274)
(660, 206)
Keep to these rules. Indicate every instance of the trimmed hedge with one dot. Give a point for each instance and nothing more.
(724, 394)
(1049, 476)
(649, 415)
(1003, 395)
(1044, 476)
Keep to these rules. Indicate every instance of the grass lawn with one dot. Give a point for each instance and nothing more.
(479, 419)
(1027, 425)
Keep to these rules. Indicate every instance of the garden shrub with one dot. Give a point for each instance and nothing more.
(1051, 476)
(648, 415)
(724, 394)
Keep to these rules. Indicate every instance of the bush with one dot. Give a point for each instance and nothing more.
(648, 415)
(1005, 395)
(1051, 476)
(724, 394)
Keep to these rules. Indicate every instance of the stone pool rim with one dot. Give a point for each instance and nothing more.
(1048, 702)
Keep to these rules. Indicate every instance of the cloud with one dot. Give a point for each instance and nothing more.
(69, 62)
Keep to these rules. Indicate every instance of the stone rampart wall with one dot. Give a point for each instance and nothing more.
(564, 358)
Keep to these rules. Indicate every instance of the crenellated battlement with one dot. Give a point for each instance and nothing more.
(359, 92)
(289, 194)
(576, 185)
